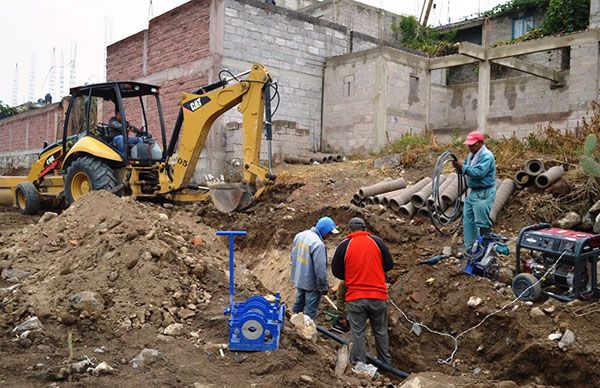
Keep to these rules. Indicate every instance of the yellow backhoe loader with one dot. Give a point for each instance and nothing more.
(95, 156)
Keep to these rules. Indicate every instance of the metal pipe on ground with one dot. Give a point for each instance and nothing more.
(298, 160)
(375, 361)
(549, 177)
(534, 167)
(382, 187)
(503, 193)
(407, 210)
(396, 201)
(419, 199)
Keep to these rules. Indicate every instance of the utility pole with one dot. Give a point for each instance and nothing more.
(15, 95)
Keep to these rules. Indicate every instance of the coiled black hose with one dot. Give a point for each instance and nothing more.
(442, 217)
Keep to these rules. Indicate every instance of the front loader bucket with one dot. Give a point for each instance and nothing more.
(228, 197)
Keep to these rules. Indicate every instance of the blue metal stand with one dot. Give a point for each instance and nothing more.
(254, 325)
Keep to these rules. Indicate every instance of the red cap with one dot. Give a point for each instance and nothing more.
(473, 138)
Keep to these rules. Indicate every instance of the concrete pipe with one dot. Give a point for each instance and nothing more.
(443, 187)
(318, 157)
(404, 197)
(369, 201)
(407, 210)
(337, 157)
(534, 167)
(419, 199)
(503, 193)
(523, 179)
(298, 160)
(423, 212)
(382, 187)
(385, 197)
(325, 157)
(549, 177)
(356, 198)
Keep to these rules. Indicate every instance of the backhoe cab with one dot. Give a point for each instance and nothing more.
(102, 155)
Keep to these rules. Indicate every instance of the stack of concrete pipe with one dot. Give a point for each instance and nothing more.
(397, 200)
(534, 172)
(316, 158)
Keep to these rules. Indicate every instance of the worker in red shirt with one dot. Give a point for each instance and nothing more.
(361, 260)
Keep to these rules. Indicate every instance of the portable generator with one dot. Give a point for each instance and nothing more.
(561, 263)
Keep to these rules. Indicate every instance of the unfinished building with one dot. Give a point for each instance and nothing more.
(344, 85)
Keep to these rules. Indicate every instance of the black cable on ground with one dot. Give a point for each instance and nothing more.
(442, 217)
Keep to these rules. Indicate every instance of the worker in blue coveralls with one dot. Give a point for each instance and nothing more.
(480, 171)
(309, 266)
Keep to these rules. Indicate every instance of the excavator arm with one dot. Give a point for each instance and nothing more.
(199, 112)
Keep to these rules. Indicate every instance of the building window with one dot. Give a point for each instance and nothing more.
(521, 26)
(413, 88)
(348, 87)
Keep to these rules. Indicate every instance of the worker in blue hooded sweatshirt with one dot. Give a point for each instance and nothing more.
(480, 171)
(309, 266)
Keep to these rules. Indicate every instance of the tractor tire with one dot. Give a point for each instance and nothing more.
(87, 174)
(522, 282)
(27, 198)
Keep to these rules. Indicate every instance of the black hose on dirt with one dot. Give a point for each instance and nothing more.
(378, 363)
(443, 215)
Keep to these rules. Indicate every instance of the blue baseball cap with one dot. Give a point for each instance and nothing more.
(325, 225)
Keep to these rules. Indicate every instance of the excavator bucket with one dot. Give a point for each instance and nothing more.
(229, 197)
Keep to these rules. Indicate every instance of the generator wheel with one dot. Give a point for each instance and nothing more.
(27, 198)
(522, 282)
(87, 174)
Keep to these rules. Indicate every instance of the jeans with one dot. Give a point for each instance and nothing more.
(307, 301)
(120, 144)
(478, 205)
(375, 310)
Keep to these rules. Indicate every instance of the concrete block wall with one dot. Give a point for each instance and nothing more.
(368, 100)
(287, 140)
(356, 16)
(520, 105)
(293, 47)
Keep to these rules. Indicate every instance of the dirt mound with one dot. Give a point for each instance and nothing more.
(137, 261)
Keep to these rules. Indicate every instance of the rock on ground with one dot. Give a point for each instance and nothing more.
(146, 357)
(87, 301)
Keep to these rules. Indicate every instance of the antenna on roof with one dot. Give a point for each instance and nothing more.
(31, 89)
(72, 73)
(52, 80)
(15, 96)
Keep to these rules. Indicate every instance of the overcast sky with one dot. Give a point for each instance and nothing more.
(30, 29)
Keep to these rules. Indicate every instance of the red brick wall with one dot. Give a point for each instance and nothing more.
(175, 38)
(29, 130)
(125, 58)
(179, 36)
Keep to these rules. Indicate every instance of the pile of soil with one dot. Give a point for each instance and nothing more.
(114, 275)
